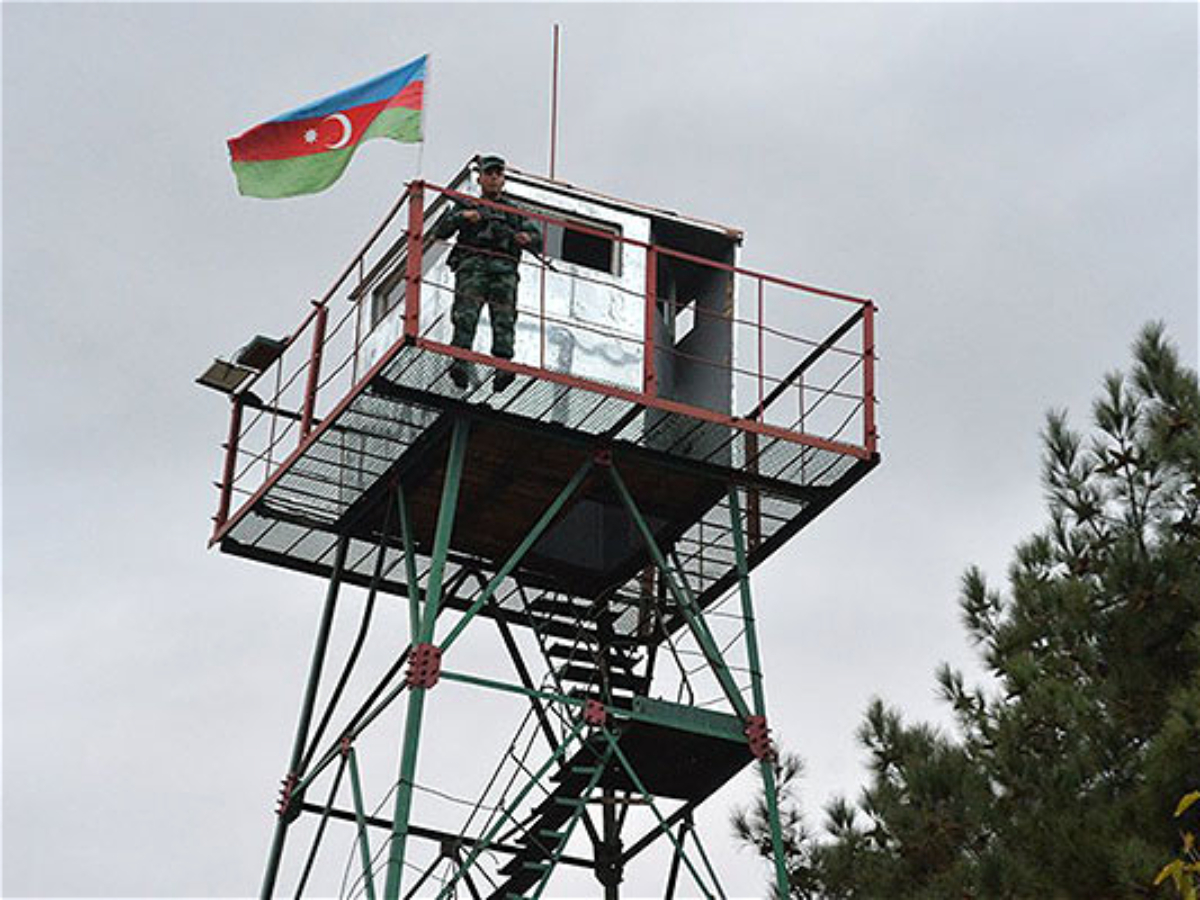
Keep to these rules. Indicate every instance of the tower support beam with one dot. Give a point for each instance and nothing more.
(306, 710)
(517, 555)
(766, 766)
(662, 822)
(428, 618)
(691, 613)
(364, 842)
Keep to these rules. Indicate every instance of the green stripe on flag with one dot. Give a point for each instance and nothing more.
(399, 124)
(274, 178)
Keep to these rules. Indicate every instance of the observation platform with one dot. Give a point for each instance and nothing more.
(642, 344)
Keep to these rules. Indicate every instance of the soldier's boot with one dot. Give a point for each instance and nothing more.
(502, 379)
(459, 374)
(504, 324)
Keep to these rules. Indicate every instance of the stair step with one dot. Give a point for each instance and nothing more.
(561, 608)
(590, 675)
(572, 781)
(587, 656)
(553, 815)
(530, 853)
(515, 869)
(515, 886)
(567, 630)
(570, 651)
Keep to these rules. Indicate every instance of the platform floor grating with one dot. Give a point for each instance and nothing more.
(388, 426)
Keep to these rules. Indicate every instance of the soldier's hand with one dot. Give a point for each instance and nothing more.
(472, 215)
(523, 239)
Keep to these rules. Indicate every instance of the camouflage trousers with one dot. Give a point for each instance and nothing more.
(473, 289)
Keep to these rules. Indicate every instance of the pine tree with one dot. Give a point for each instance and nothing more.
(1063, 773)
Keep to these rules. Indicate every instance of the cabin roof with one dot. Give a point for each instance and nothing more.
(555, 184)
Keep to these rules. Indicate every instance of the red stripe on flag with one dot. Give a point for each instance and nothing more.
(304, 137)
(411, 96)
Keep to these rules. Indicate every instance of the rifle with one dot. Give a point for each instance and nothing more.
(494, 218)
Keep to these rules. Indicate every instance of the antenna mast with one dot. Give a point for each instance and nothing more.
(554, 105)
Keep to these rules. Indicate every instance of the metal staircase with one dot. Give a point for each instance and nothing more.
(552, 821)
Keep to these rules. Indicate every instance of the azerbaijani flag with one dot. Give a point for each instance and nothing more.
(307, 149)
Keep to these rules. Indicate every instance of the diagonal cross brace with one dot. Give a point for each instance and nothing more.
(572, 822)
(507, 813)
(518, 554)
(687, 605)
(662, 823)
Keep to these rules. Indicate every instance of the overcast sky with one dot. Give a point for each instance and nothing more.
(1015, 184)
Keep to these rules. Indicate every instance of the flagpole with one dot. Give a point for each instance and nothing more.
(424, 116)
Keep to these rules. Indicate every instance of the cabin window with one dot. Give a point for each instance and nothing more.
(685, 320)
(599, 252)
(588, 250)
(383, 301)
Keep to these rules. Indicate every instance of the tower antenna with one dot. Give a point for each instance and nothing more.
(554, 105)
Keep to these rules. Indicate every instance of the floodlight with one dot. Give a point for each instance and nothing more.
(260, 353)
(254, 358)
(224, 376)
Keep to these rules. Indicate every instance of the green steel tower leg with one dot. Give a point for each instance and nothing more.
(641, 789)
(760, 702)
(673, 873)
(410, 564)
(497, 580)
(364, 843)
(306, 710)
(416, 696)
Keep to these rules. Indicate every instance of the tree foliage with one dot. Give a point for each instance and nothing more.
(1184, 870)
(1063, 772)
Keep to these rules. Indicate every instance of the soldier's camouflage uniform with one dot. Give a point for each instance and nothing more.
(484, 260)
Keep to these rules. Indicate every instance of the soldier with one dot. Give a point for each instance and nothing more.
(484, 260)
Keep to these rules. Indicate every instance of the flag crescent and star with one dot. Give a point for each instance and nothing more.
(348, 130)
(306, 150)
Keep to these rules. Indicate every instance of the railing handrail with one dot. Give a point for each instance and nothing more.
(656, 248)
(410, 243)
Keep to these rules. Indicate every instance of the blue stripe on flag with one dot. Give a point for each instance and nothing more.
(381, 87)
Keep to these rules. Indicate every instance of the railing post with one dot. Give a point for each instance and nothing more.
(649, 376)
(762, 366)
(359, 305)
(869, 435)
(314, 370)
(416, 228)
(231, 452)
(542, 317)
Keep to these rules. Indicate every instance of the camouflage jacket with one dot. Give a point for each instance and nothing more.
(491, 240)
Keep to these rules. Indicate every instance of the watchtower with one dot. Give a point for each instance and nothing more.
(675, 418)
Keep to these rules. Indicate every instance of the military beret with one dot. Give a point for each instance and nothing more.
(487, 163)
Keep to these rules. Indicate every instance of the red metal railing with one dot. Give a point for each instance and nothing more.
(800, 365)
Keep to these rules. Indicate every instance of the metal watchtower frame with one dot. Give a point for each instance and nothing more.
(674, 420)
